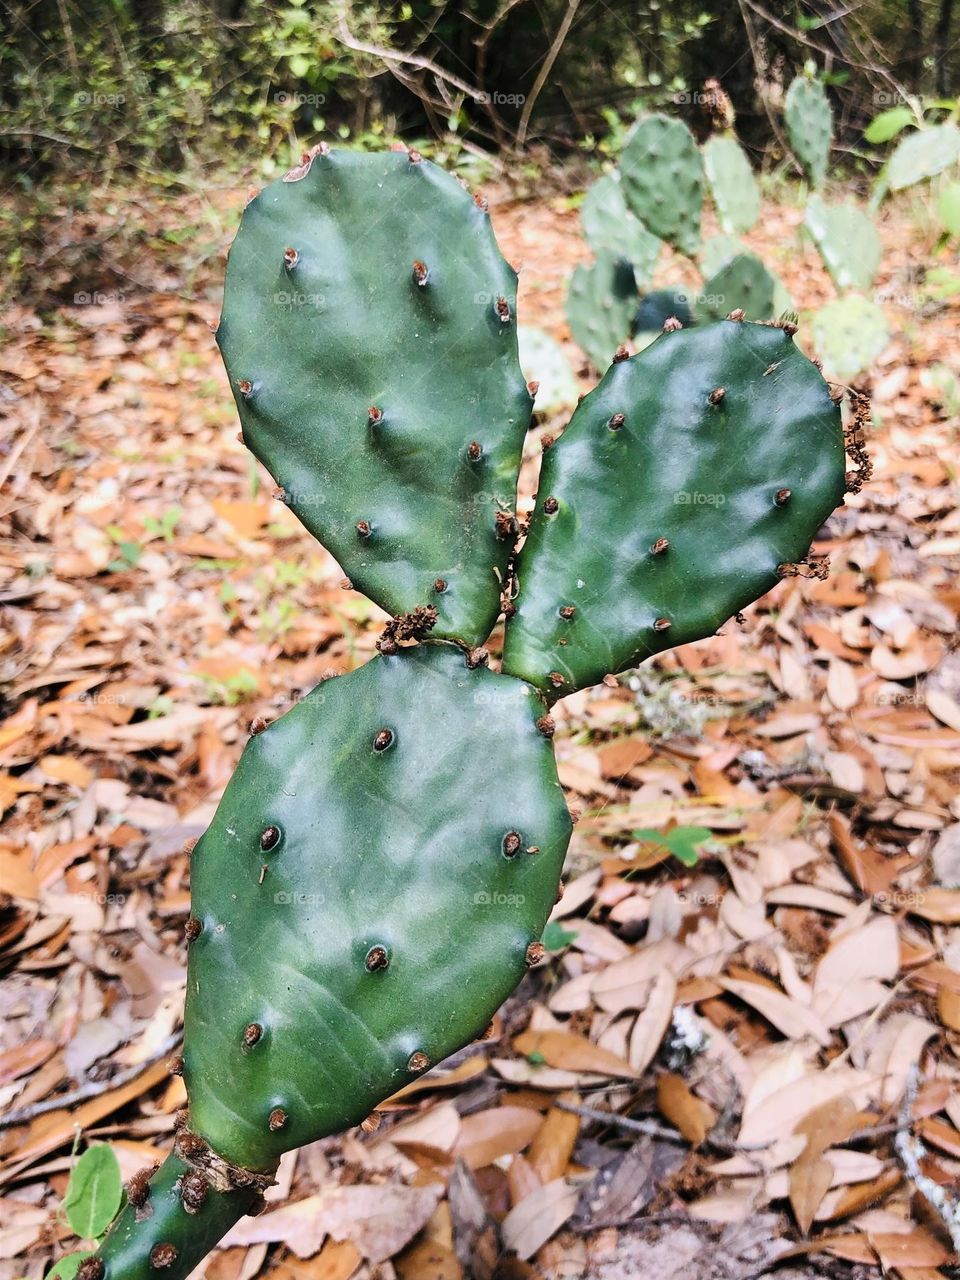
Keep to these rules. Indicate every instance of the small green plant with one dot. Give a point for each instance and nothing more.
(682, 843)
(166, 526)
(93, 1197)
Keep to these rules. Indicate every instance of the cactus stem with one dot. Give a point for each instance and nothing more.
(511, 844)
(162, 1256)
(251, 1034)
(660, 546)
(290, 257)
(418, 1062)
(782, 497)
(551, 506)
(420, 273)
(383, 740)
(192, 929)
(662, 624)
(277, 1119)
(617, 421)
(717, 394)
(269, 838)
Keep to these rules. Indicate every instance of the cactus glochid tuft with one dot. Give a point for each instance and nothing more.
(410, 812)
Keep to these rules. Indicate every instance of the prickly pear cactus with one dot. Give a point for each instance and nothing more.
(600, 306)
(661, 306)
(849, 334)
(809, 120)
(923, 154)
(610, 227)
(847, 240)
(372, 887)
(369, 333)
(743, 284)
(662, 177)
(692, 478)
(732, 184)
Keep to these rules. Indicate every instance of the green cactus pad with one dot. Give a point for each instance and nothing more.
(661, 305)
(610, 227)
(849, 335)
(744, 284)
(923, 154)
(732, 184)
(662, 177)
(847, 240)
(369, 333)
(717, 251)
(683, 481)
(380, 863)
(809, 120)
(600, 305)
(162, 1235)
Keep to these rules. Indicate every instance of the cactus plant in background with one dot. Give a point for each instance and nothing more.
(847, 240)
(809, 120)
(732, 184)
(380, 868)
(662, 175)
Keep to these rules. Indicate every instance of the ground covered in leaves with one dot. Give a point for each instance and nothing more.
(742, 1046)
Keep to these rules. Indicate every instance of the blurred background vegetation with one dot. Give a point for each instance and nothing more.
(103, 95)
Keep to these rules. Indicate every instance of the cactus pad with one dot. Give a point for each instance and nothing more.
(732, 184)
(744, 283)
(848, 242)
(682, 483)
(380, 863)
(600, 305)
(661, 305)
(610, 227)
(369, 334)
(809, 120)
(849, 334)
(662, 177)
(923, 154)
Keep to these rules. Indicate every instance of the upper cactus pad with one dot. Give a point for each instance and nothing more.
(369, 332)
(809, 120)
(662, 177)
(732, 184)
(610, 226)
(366, 896)
(682, 486)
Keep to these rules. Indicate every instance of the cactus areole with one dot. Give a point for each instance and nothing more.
(379, 871)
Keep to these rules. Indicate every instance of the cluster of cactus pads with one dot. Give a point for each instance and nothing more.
(656, 197)
(381, 866)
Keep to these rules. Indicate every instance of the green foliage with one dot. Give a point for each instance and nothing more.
(923, 154)
(661, 173)
(410, 370)
(556, 937)
(809, 120)
(683, 843)
(732, 184)
(682, 484)
(948, 208)
(848, 242)
(93, 1192)
(886, 126)
(849, 334)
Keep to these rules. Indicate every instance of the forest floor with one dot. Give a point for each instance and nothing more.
(775, 1028)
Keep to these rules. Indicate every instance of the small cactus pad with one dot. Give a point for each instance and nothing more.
(662, 177)
(809, 120)
(179, 1218)
(369, 334)
(848, 242)
(743, 284)
(600, 306)
(923, 154)
(610, 227)
(849, 334)
(682, 483)
(380, 863)
(732, 184)
(661, 305)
